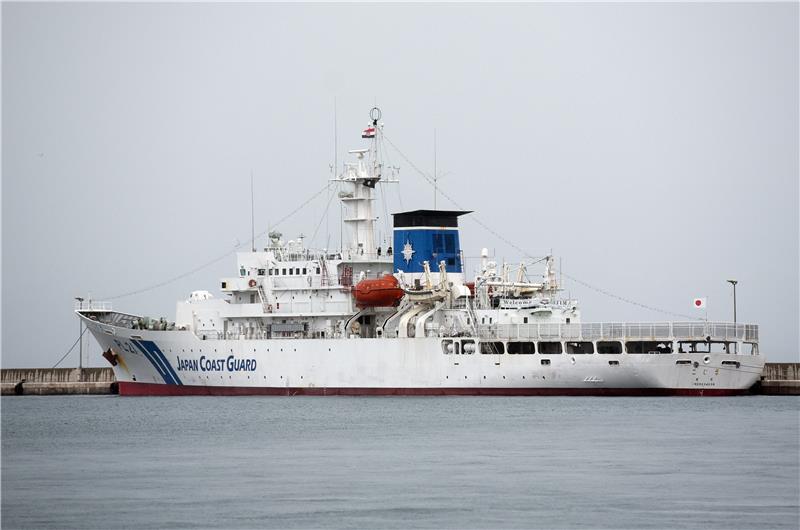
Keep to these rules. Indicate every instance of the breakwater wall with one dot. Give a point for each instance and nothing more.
(49, 381)
(778, 379)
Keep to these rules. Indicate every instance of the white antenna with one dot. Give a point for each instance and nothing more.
(335, 140)
(252, 215)
(434, 169)
(334, 169)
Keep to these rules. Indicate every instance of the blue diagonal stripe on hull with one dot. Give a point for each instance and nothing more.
(156, 351)
(161, 371)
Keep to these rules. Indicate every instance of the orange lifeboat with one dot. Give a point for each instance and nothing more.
(380, 292)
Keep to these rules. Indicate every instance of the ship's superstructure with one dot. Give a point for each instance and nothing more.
(403, 317)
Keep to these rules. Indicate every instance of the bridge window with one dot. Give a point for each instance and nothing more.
(291, 272)
(613, 346)
(261, 272)
(495, 348)
(304, 270)
(641, 346)
(753, 348)
(284, 272)
(706, 347)
(580, 347)
(317, 270)
(520, 347)
(549, 348)
(720, 347)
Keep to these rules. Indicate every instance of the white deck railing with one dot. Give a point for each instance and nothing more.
(591, 331)
(92, 305)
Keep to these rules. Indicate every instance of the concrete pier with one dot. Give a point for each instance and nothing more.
(49, 381)
(778, 379)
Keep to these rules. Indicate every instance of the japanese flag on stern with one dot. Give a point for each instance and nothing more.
(699, 303)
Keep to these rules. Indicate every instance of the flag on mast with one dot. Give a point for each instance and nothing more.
(369, 132)
(699, 303)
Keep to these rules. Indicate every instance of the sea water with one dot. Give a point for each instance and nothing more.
(436, 462)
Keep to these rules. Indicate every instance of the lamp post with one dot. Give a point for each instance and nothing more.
(80, 339)
(734, 282)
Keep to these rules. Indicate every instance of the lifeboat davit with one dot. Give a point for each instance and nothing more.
(380, 292)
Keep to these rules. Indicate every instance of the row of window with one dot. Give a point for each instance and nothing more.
(284, 271)
(467, 346)
(524, 320)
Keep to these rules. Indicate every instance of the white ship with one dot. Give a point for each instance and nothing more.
(404, 319)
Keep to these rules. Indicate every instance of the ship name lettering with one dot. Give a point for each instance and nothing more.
(187, 364)
(206, 364)
(211, 365)
(240, 365)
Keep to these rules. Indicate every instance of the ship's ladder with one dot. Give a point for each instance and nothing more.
(323, 269)
(473, 319)
(262, 295)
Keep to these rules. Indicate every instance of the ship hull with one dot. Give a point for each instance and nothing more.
(179, 363)
(155, 389)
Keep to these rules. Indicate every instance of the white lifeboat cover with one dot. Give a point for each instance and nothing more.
(197, 296)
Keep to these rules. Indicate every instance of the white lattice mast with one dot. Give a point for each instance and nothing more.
(358, 184)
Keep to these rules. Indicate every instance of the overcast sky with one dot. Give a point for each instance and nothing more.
(653, 147)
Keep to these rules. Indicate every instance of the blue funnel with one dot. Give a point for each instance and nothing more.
(426, 235)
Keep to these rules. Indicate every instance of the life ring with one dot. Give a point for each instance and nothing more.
(251, 283)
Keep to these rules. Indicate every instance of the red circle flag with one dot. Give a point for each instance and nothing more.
(699, 303)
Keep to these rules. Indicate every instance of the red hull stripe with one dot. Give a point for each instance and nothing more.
(153, 389)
